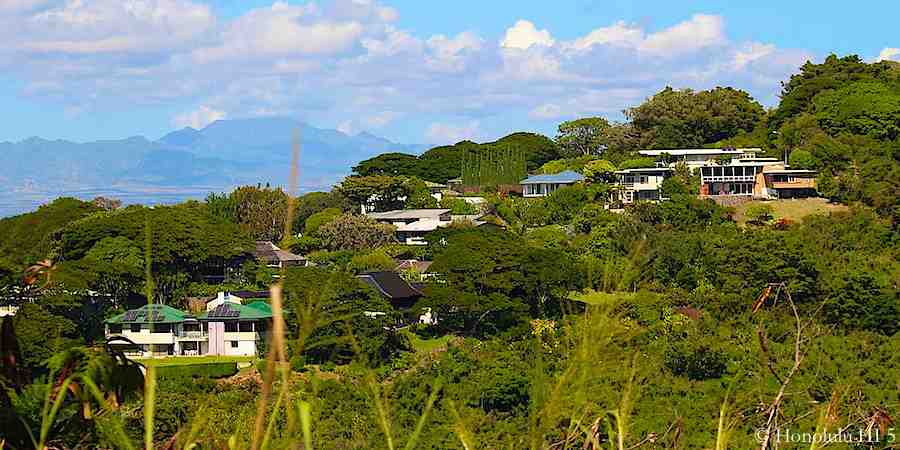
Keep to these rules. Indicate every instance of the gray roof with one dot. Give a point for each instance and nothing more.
(646, 170)
(402, 214)
(565, 177)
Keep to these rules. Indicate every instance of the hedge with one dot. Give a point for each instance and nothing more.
(208, 370)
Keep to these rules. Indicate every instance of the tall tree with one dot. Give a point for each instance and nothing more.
(583, 137)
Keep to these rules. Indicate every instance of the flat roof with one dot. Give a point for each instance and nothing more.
(401, 214)
(699, 151)
(789, 171)
(645, 169)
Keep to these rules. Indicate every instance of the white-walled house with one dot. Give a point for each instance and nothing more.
(413, 224)
(698, 157)
(228, 328)
(642, 184)
(543, 185)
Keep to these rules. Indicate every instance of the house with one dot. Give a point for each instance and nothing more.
(698, 157)
(270, 254)
(542, 185)
(397, 291)
(413, 224)
(642, 184)
(791, 183)
(228, 328)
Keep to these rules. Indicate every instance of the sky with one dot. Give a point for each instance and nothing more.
(413, 71)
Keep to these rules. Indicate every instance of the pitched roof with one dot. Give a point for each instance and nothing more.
(154, 313)
(414, 264)
(390, 284)
(401, 214)
(565, 177)
(235, 311)
(269, 252)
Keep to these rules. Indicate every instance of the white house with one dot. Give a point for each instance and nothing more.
(542, 185)
(228, 328)
(413, 224)
(698, 157)
(641, 184)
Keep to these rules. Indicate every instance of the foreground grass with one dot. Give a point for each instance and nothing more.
(791, 209)
(191, 360)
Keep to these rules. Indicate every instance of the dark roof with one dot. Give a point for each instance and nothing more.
(245, 295)
(390, 284)
(564, 177)
(269, 252)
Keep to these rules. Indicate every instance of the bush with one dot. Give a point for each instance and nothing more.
(209, 370)
(637, 163)
(696, 362)
(760, 213)
(458, 206)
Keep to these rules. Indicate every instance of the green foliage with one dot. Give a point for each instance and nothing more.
(308, 204)
(563, 204)
(600, 170)
(389, 164)
(41, 334)
(314, 222)
(583, 137)
(688, 119)
(419, 195)
(637, 163)
(501, 165)
(355, 232)
(867, 108)
(576, 164)
(260, 211)
(760, 213)
(374, 261)
(186, 372)
(802, 159)
(383, 192)
(25, 239)
(458, 206)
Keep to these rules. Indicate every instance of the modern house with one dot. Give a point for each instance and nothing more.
(542, 185)
(226, 328)
(413, 224)
(273, 256)
(790, 183)
(642, 184)
(698, 157)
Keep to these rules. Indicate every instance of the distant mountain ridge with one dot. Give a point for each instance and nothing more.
(183, 164)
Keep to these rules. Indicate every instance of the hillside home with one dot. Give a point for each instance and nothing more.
(760, 178)
(226, 328)
(641, 184)
(414, 224)
(543, 185)
(698, 157)
(274, 257)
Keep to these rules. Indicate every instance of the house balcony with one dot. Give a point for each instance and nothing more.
(192, 336)
(147, 338)
(801, 183)
(241, 336)
(728, 179)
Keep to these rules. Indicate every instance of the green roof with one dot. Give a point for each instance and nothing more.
(236, 311)
(151, 314)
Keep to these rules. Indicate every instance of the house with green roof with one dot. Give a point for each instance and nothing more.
(228, 328)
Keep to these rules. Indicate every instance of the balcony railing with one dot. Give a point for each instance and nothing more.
(192, 335)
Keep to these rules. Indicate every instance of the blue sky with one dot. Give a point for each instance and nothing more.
(409, 70)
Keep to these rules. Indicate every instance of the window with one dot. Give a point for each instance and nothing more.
(135, 328)
(231, 327)
(162, 328)
(115, 328)
(234, 344)
(245, 326)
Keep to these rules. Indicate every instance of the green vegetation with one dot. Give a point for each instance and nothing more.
(559, 323)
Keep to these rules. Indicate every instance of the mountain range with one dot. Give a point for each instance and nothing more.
(183, 164)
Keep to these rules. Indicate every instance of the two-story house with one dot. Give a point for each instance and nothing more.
(226, 328)
(642, 184)
(413, 224)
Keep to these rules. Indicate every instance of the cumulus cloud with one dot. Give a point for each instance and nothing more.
(199, 118)
(349, 63)
(889, 54)
(524, 34)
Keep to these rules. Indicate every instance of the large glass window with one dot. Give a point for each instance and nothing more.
(231, 327)
(135, 328)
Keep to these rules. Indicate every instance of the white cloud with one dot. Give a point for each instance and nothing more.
(889, 54)
(349, 62)
(198, 118)
(444, 133)
(701, 31)
(523, 35)
(546, 111)
(751, 52)
(619, 33)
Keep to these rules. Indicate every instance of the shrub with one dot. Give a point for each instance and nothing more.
(696, 362)
(759, 213)
(209, 370)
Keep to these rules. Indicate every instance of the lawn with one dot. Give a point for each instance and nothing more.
(791, 209)
(190, 360)
(427, 345)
